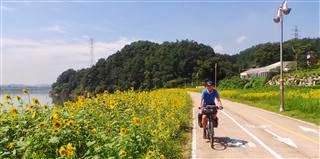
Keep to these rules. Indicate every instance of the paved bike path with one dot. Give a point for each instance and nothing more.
(247, 132)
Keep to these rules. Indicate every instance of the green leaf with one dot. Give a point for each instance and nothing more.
(90, 143)
(54, 140)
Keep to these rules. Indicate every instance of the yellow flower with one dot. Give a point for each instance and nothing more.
(33, 115)
(149, 154)
(154, 132)
(45, 107)
(18, 98)
(57, 124)
(70, 149)
(71, 122)
(62, 151)
(1, 105)
(123, 131)
(94, 130)
(55, 115)
(10, 146)
(55, 130)
(112, 103)
(162, 157)
(136, 121)
(122, 153)
(42, 125)
(25, 91)
(7, 98)
(13, 111)
(29, 107)
(162, 124)
(35, 101)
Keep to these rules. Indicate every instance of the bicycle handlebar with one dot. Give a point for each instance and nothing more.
(211, 107)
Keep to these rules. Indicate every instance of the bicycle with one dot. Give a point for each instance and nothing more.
(209, 110)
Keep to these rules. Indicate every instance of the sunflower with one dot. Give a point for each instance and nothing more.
(13, 111)
(136, 121)
(149, 154)
(18, 98)
(10, 146)
(70, 122)
(122, 153)
(112, 103)
(94, 130)
(7, 98)
(35, 101)
(62, 151)
(162, 124)
(42, 125)
(25, 91)
(55, 130)
(57, 124)
(154, 132)
(70, 149)
(162, 157)
(55, 116)
(33, 115)
(123, 131)
(45, 107)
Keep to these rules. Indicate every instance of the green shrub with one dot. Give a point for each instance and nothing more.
(233, 82)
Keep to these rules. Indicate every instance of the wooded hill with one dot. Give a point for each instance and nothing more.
(145, 65)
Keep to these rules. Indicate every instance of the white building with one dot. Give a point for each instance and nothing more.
(263, 71)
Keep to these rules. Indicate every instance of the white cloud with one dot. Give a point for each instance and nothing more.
(218, 48)
(241, 39)
(56, 28)
(30, 61)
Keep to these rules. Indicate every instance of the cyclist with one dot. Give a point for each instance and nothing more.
(208, 98)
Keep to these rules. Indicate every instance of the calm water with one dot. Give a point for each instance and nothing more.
(43, 97)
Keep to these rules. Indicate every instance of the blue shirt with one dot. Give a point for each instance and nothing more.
(208, 98)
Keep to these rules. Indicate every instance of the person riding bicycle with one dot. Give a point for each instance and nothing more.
(208, 98)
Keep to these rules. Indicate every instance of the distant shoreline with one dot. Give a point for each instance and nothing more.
(8, 89)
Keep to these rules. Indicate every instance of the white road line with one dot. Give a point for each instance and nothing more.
(194, 135)
(276, 155)
(287, 141)
(309, 130)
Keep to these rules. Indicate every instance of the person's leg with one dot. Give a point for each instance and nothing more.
(204, 121)
(215, 118)
(204, 125)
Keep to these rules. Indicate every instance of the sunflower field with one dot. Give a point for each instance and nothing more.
(119, 125)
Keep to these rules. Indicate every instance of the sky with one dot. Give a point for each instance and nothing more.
(41, 39)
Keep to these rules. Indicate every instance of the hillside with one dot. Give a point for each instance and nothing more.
(268, 53)
(145, 65)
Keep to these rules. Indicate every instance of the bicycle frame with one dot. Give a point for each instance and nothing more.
(209, 110)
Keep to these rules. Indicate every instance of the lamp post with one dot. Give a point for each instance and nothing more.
(282, 10)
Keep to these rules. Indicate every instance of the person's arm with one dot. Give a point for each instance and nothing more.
(219, 101)
(201, 101)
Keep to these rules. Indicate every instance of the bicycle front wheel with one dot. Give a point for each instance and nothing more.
(211, 138)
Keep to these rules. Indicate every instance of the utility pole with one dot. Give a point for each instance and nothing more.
(215, 74)
(296, 32)
(91, 52)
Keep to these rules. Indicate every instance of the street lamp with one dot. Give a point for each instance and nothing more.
(282, 10)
